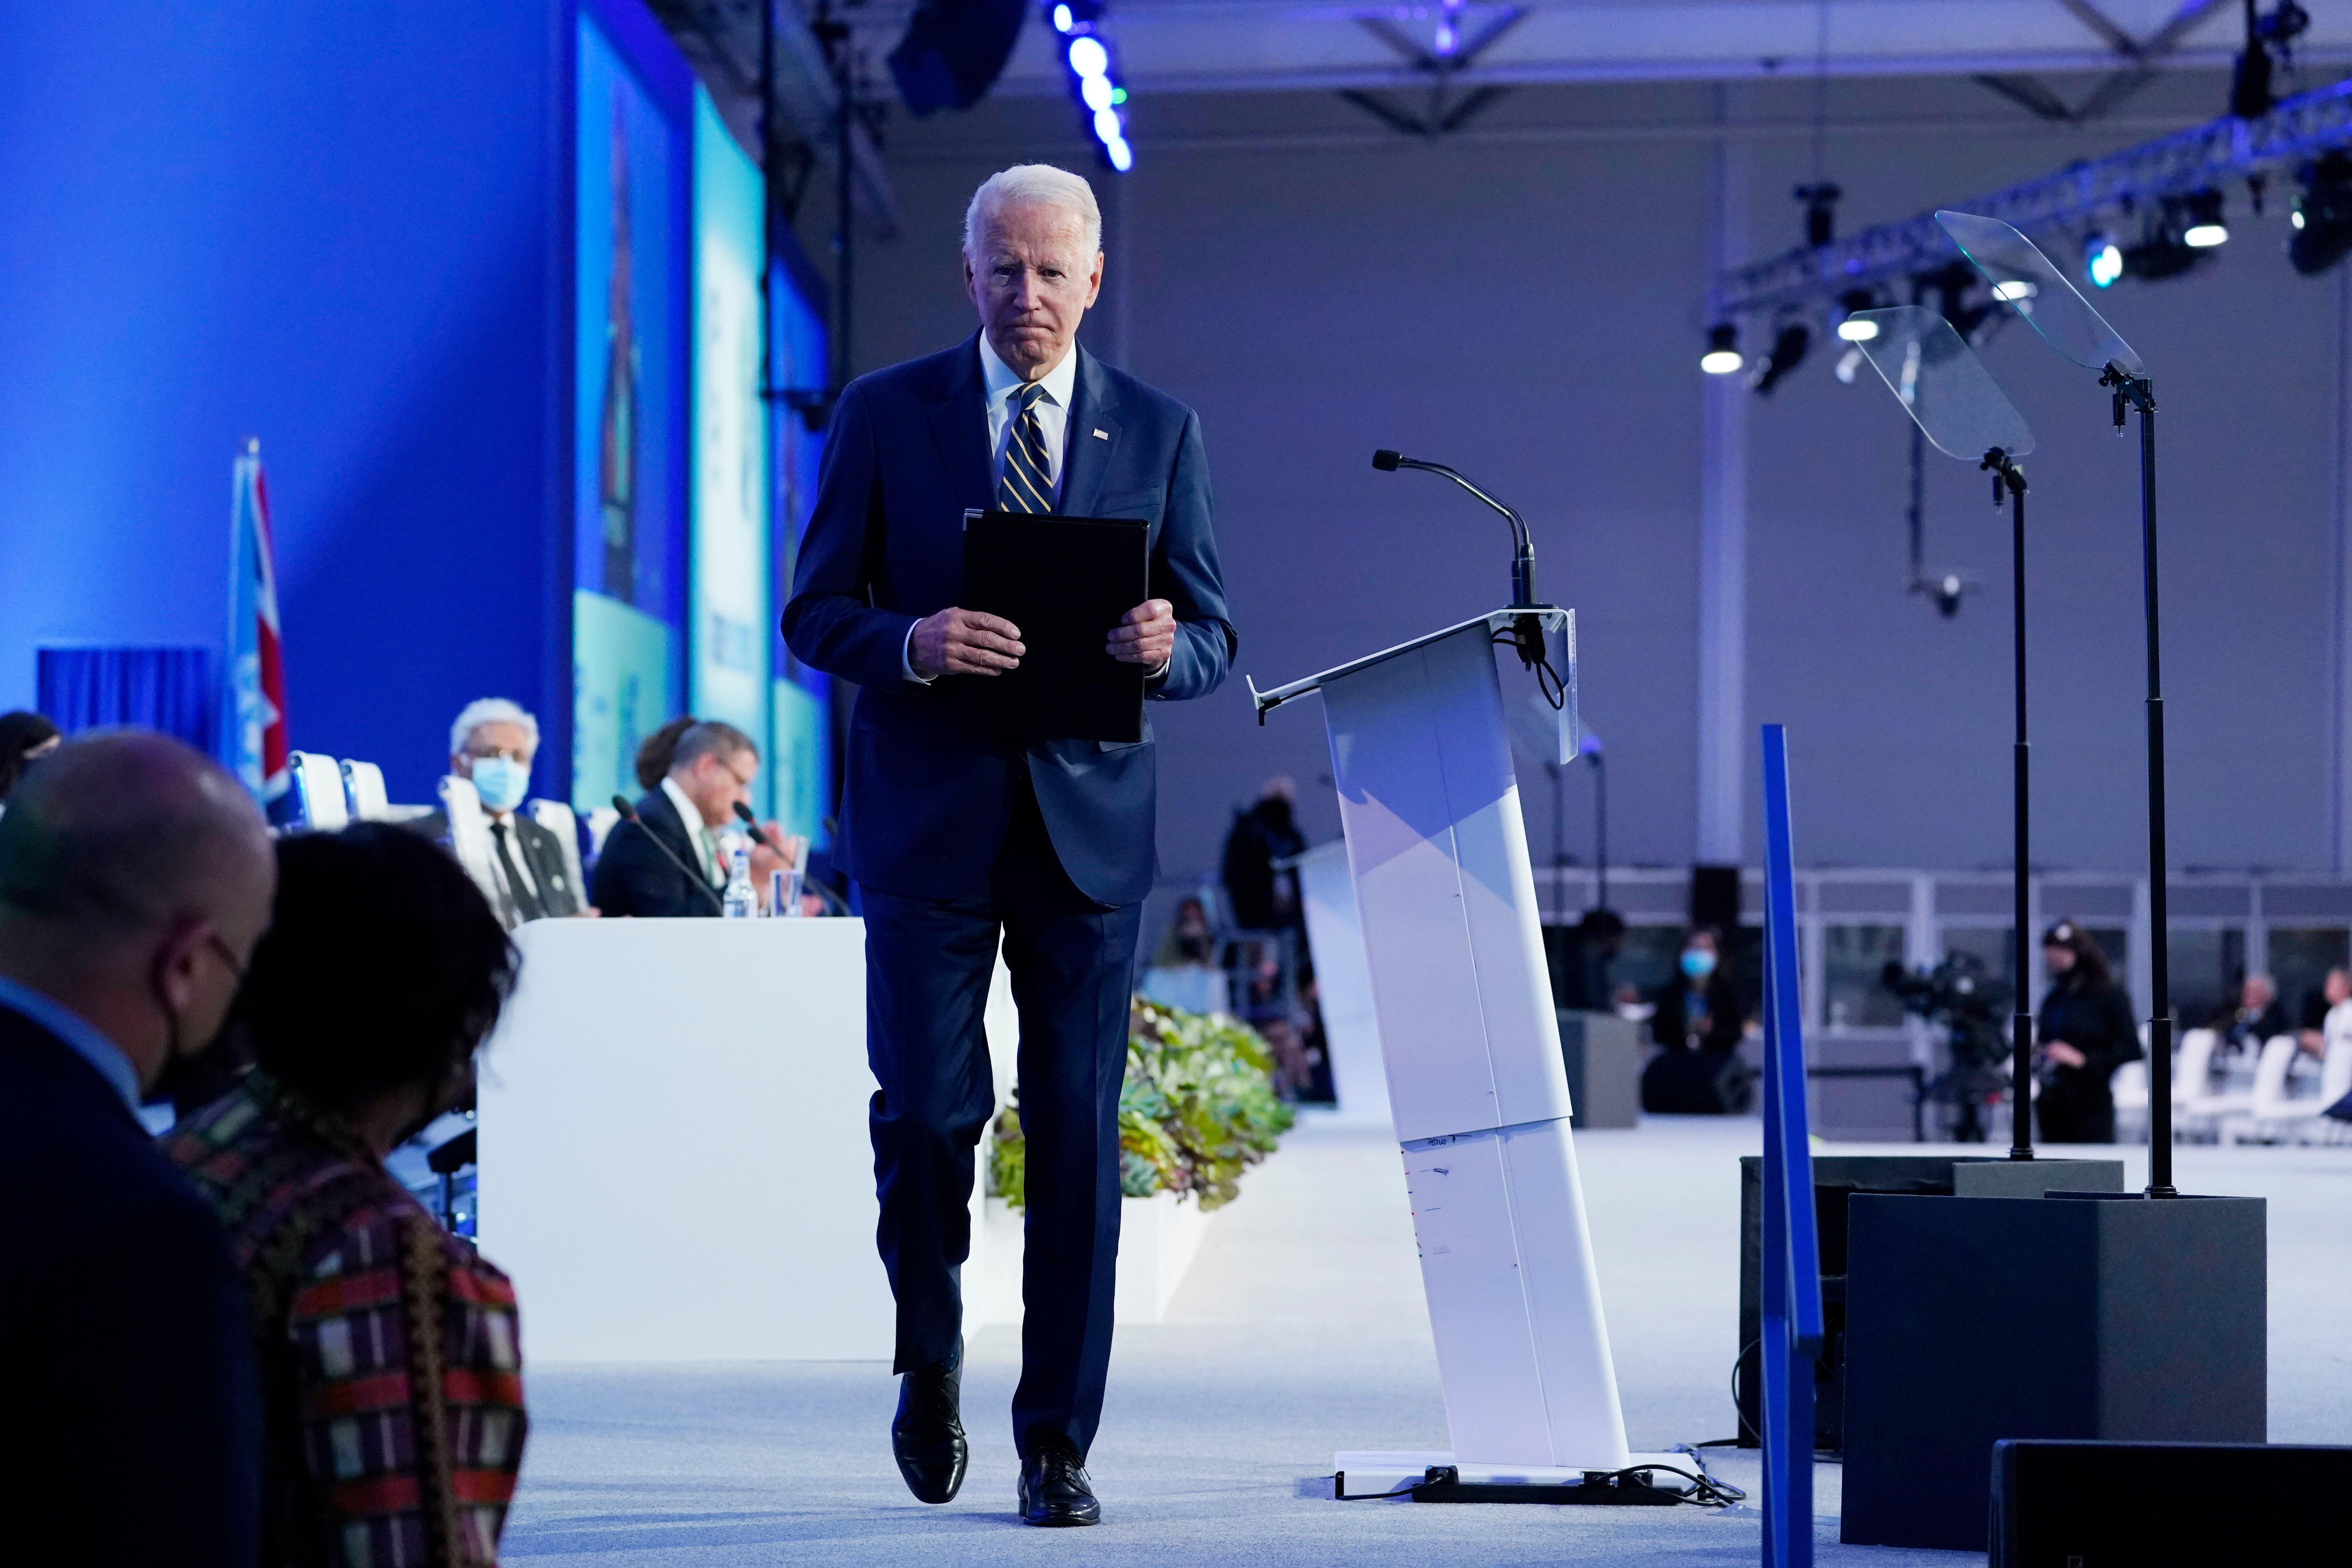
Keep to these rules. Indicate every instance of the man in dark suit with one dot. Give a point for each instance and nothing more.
(135, 878)
(492, 746)
(667, 862)
(953, 837)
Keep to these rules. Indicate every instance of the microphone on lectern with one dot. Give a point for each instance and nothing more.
(629, 814)
(1523, 552)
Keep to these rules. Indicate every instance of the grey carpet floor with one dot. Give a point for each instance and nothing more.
(1300, 1330)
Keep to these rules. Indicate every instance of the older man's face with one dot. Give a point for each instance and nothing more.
(1032, 281)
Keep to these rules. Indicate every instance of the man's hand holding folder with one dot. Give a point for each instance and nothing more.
(970, 642)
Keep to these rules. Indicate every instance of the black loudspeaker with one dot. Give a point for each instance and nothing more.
(1715, 898)
(954, 50)
(2154, 1505)
(2102, 1317)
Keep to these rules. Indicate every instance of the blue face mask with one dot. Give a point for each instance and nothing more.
(502, 782)
(1698, 963)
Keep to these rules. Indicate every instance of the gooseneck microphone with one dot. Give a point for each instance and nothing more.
(1523, 557)
(751, 825)
(629, 814)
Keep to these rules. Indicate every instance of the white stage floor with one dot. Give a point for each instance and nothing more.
(1299, 1332)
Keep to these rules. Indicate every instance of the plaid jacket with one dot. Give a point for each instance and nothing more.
(390, 1362)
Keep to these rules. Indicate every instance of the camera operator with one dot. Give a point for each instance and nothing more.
(2086, 1032)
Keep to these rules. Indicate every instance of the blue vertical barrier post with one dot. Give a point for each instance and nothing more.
(1792, 1269)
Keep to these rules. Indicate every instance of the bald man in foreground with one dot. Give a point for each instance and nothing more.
(135, 878)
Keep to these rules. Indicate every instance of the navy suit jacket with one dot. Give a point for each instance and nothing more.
(129, 1406)
(634, 877)
(925, 807)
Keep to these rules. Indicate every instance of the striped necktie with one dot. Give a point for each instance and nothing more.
(1025, 485)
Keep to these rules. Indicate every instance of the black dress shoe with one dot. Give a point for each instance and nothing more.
(1055, 1489)
(926, 1435)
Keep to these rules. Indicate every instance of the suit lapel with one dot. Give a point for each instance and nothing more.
(1094, 407)
(959, 426)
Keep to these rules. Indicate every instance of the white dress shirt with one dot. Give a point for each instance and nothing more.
(1053, 410)
(706, 845)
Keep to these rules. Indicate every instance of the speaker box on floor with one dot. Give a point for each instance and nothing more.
(2078, 1316)
(2155, 1505)
(1836, 1179)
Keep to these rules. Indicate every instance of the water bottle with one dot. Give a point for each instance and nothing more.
(742, 903)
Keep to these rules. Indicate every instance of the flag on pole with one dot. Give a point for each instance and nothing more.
(254, 725)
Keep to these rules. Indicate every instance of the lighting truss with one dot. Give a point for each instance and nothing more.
(2094, 193)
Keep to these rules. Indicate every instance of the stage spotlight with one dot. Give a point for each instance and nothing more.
(1789, 346)
(2203, 228)
(2013, 289)
(1848, 328)
(2322, 216)
(2102, 260)
(2166, 251)
(1722, 356)
(1094, 80)
(953, 51)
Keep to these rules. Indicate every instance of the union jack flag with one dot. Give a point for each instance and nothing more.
(254, 725)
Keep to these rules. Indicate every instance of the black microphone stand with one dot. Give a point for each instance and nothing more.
(2138, 392)
(2007, 476)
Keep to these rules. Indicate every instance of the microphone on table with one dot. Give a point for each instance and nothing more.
(629, 814)
(759, 835)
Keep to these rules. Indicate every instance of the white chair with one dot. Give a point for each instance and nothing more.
(558, 819)
(2130, 1088)
(364, 791)
(315, 785)
(601, 823)
(2299, 1120)
(2267, 1105)
(2197, 1109)
(469, 834)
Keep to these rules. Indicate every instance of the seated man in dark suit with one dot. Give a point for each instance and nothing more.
(135, 879)
(492, 746)
(667, 862)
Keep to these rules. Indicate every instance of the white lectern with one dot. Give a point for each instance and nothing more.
(1421, 755)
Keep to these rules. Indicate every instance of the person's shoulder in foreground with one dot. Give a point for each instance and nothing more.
(403, 1339)
(134, 880)
(392, 1378)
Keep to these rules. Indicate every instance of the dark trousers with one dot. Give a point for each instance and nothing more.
(928, 965)
(2074, 1119)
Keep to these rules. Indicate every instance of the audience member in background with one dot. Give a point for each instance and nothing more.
(1263, 898)
(2086, 1032)
(1698, 1020)
(23, 737)
(392, 1387)
(2255, 1018)
(2321, 1005)
(492, 745)
(1582, 958)
(134, 880)
(1188, 940)
(667, 862)
(658, 749)
(2325, 1005)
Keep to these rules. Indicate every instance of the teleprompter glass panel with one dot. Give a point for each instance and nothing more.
(1938, 378)
(1853, 960)
(2031, 285)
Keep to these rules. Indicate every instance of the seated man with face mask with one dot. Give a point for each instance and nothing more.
(492, 745)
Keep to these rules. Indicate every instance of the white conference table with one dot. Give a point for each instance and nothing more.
(674, 1163)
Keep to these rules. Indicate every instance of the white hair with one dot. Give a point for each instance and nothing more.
(490, 710)
(1032, 182)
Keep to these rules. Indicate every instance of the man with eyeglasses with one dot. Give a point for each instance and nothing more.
(668, 860)
(492, 746)
(135, 879)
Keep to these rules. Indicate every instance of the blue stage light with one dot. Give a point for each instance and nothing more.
(2102, 260)
(1094, 80)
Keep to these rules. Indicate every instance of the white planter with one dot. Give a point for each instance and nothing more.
(1158, 1239)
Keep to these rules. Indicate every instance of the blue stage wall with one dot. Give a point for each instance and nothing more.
(342, 229)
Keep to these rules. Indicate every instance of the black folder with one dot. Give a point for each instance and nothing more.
(1065, 582)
